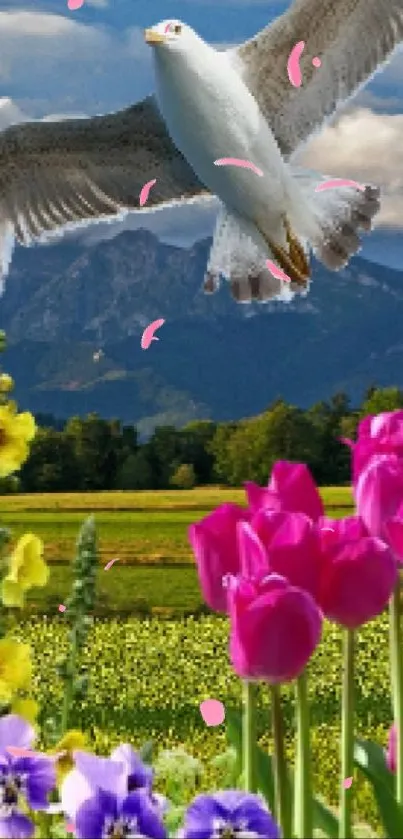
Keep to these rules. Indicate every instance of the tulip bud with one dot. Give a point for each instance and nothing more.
(291, 488)
(358, 578)
(275, 628)
(214, 543)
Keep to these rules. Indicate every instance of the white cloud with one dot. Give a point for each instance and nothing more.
(367, 147)
(52, 63)
(10, 113)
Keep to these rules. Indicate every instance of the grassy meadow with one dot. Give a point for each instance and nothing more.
(146, 530)
(129, 643)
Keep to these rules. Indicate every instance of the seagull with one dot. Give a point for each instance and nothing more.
(209, 105)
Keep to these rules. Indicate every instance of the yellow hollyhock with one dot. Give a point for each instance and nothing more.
(6, 383)
(26, 569)
(16, 431)
(73, 739)
(28, 709)
(15, 667)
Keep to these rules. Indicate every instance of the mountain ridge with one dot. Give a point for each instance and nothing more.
(215, 359)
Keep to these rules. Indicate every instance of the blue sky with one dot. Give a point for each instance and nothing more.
(57, 62)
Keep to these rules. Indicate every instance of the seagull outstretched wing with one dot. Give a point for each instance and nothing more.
(61, 174)
(352, 38)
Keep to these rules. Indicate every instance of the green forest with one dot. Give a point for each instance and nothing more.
(90, 453)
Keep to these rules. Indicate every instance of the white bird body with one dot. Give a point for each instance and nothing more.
(223, 120)
(212, 105)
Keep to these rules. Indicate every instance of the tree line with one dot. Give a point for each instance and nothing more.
(92, 454)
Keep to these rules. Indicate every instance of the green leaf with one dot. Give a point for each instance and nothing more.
(370, 759)
(323, 818)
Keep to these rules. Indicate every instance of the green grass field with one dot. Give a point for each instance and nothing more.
(124, 652)
(143, 529)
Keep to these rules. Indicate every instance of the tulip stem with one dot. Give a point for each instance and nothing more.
(302, 789)
(249, 735)
(396, 656)
(283, 806)
(347, 733)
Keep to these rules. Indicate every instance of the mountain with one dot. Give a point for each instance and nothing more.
(66, 301)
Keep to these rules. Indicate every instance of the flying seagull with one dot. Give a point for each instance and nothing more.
(211, 105)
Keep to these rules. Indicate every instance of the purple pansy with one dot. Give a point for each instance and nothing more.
(139, 775)
(96, 798)
(227, 815)
(134, 773)
(29, 777)
(104, 815)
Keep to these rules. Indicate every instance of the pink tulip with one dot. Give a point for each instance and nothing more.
(214, 543)
(381, 434)
(253, 559)
(379, 492)
(394, 536)
(275, 628)
(391, 750)
(293, 546)
(358, 577)
(347, 529)
(291, 488)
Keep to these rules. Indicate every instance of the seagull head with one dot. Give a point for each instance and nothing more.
(171, 35)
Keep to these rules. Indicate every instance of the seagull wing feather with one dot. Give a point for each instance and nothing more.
(352, 38)
(66, 173)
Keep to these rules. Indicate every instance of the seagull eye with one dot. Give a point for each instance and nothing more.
(177, 29)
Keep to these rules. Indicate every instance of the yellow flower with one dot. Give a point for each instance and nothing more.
(28, 709)
(6, 383)
(16, 431)
(15, 667)
(73, 739)
(26, 569)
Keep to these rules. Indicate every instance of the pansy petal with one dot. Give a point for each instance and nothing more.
(257, 820)
(91, 817)
(74, 791)
(17, 826)
(202, 813)
(41, 779)
(109, 775)
(14, 731)
(139, 774)
(137, 806)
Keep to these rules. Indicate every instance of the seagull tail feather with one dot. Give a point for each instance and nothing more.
(239, 254)
(342, 214)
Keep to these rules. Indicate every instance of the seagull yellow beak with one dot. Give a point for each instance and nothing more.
(152, 37)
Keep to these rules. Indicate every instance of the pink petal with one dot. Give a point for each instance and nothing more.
(253, 557)
(274, 636)
(260, 497)
(215, 546)
(357, 582)
(394, 537)
(379, 491)
(296, 488)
